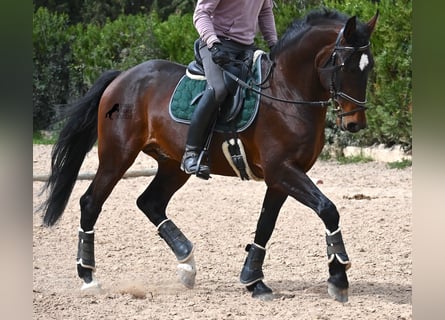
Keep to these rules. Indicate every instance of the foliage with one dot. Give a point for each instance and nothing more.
(118, 44)
(95, 11)
(39, 137)
(400, 164)
(354, 159)
(166, 8)
(74, 41)
(51, 59)
(99, 11)
(175, 37)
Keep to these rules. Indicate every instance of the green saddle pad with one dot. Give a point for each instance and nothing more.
(181, 107)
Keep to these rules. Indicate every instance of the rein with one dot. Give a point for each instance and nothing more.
(245, 85)
(334, 92)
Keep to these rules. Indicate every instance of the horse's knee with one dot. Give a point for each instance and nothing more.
(329, 214)
(142, 203)
(152, 211)
(84, 200)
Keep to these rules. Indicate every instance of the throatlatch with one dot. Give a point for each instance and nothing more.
(253, 266)
(180, 245)
(336, 248)
(85, 249)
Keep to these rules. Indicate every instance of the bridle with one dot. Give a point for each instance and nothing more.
(334, 90)
(335, 67)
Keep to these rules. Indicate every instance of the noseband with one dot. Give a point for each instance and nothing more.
(336, 63)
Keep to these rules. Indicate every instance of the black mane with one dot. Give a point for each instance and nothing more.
(314, 18)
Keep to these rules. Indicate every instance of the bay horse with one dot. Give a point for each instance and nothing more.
(322, 58)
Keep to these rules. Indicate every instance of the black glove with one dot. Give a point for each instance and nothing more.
(219, 55)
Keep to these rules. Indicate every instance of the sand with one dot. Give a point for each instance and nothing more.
(137, 270)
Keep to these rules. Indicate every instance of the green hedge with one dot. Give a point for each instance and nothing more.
(67, 59)
(175, 37)
(118, 44)
(51, 60)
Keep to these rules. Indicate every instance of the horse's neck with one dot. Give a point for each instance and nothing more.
(297, 70)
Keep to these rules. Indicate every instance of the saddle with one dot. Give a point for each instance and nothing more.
(232, 105)
(240, 107)
(236, 114)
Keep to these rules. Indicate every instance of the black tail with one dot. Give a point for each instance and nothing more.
(76, 139)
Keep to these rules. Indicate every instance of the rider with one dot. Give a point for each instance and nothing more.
(227, 30)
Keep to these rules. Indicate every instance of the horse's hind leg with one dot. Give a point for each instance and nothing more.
(107, 176)
(153, 202)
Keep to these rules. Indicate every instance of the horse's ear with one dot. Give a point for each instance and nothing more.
(350, 27)
(371, 24)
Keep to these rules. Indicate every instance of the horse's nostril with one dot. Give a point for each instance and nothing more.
(353, 127)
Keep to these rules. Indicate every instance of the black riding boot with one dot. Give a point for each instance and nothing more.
(204, 114)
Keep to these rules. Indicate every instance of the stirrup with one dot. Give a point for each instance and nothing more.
(195, 167)
(203, 171)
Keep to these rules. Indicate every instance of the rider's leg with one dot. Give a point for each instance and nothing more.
(204, 116)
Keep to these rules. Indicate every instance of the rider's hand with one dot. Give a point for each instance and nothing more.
(219, 56)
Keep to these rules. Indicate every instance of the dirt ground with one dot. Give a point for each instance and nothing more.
(138, 271)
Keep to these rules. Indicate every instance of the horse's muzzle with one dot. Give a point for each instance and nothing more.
(353, 127)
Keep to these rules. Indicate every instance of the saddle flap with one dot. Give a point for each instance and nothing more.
(235, 99)
(232, 105)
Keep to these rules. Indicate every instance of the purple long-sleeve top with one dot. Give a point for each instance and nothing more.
(235, 19)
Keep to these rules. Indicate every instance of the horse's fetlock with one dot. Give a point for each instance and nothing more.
(85, 250)
(335, 248)
(84, 200)
(141, 203)
(253, 265)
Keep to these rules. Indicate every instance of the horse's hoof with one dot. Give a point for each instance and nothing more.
(187, 272)
(261, 291)
(91, 287)
(338, 294)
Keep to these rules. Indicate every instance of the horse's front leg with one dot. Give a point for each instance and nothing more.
(301, 187)
(298, 185)
(183, 250)
(252, 272)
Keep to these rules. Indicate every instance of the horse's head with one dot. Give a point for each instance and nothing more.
(344, 67)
